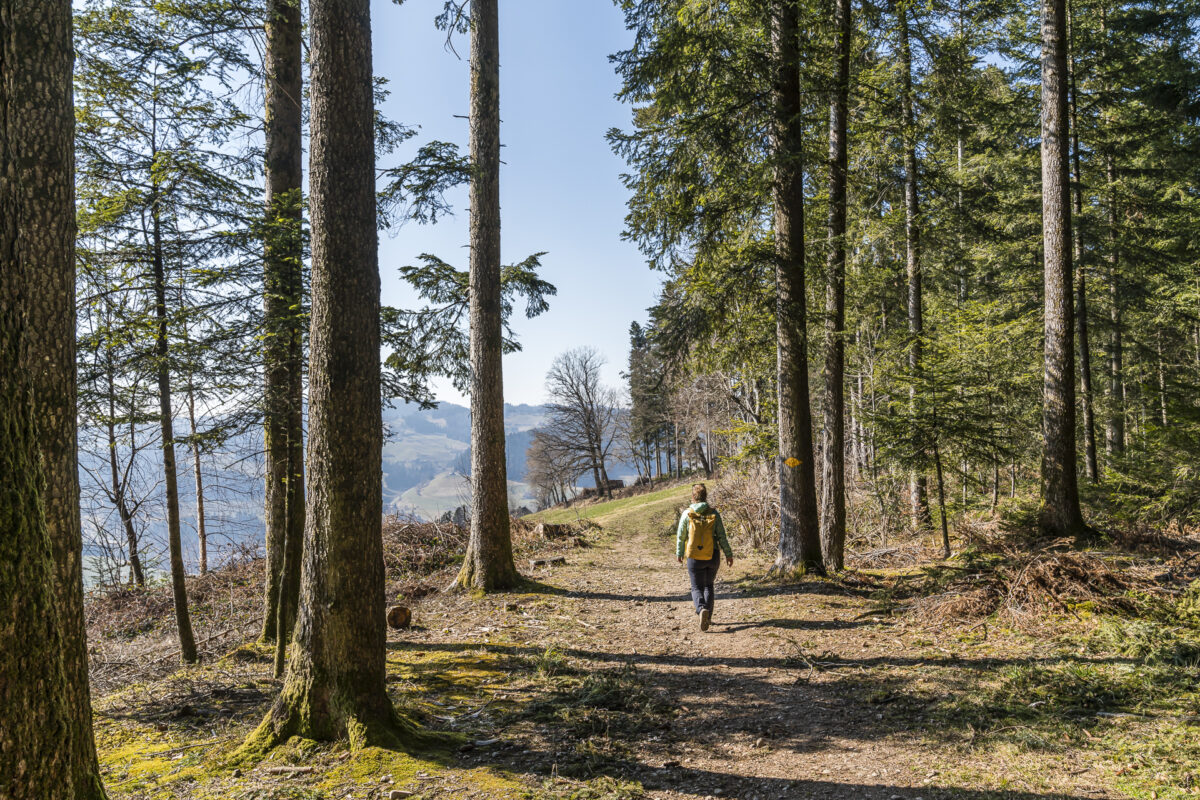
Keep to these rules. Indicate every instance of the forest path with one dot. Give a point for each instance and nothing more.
(794, 692)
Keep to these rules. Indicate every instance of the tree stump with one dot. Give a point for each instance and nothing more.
(399, 617)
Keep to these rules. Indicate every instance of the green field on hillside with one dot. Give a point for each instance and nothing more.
(677, 493)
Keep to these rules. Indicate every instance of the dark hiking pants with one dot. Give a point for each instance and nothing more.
(703, 574)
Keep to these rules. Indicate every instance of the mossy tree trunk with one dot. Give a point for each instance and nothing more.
(334, 686)
(489, 562)
(1060, 513)
(282, 306)
(833, 493)
(799, 533)
(46, 747)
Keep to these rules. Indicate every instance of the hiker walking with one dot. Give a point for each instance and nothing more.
(700, 531)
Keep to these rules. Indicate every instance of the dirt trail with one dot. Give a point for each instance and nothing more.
(795, 692)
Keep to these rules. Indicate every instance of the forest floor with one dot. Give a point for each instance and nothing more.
(594, 682)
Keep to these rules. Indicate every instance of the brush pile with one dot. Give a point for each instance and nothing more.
(132, 635)
(1024, 586)
(131, 631)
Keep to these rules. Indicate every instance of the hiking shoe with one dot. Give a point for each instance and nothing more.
(705, 619)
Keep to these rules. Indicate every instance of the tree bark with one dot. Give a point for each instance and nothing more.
(799, 532)
(1162, 381)
(917, 485)
(201, 528)
(46, 737)
(833, 485)
(1060, 514)
(489, 562)
(1114, 440)
(335, 683)
(1081, 313)
(183, 621)
(282, 304)
(136, 575)
(941, 486)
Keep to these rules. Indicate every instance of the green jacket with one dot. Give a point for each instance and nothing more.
(681, 530)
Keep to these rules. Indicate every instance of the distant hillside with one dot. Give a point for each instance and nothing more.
(426, 461)
(426, 457)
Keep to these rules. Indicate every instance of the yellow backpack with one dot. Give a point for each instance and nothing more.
(701, 541)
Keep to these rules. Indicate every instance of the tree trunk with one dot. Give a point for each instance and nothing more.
(604, 481)
(678, 453)
(918, 493)
(136, 575)
(941, 486)
(1060, 513)
(187, 641)
(833, 486)
(201, 530)
(282, 317)
(1162, 381)
(1114, 439)
(995, 482)
(703, 458)
(489, 562)
(335, 684)
(46, 734)
(1081, 313)
(799, 532)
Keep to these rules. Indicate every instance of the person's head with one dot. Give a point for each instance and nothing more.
(699, 493)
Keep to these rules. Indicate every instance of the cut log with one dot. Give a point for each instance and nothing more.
(545, 562)
(290, 770)
(399, 617)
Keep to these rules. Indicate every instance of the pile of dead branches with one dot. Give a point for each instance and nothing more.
(131, 631)
(412, 550)
(1024, 586)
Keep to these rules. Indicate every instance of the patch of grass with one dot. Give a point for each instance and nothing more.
(1187, 610)
(285, 793)
(603, 714)
(1158, 762)
(611, 703)
(1132, 713)
(672, 495)
(552, 662)
(1148, 642)
(602, 788)
(1079, 686)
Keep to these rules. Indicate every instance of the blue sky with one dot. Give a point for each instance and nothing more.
(559, 187)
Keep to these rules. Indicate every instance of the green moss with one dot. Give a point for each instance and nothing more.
(139, 759)
(369, 763)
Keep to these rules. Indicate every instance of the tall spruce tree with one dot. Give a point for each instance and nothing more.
(283, 302)
(488, 563)
(1060, 514)
(833, 485)
(917, 487)
(46, 739)
(799, 532)
(335, 681)
(166, 204)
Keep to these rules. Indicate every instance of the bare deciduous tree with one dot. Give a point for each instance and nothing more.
(553, 469)
(582, 413)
